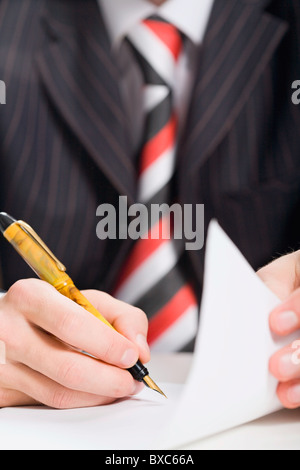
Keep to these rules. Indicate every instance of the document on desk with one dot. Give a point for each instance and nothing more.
(228, 384)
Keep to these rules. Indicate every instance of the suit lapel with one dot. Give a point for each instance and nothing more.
(78, 73)
(240, 41)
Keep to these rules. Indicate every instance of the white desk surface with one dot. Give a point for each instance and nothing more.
(280, 431)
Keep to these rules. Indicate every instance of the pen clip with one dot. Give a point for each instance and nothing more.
(29, 230)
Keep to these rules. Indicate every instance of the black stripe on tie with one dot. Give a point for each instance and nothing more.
(157, 200)
(158, 117)
(189, 347)
(157, 18)
(160, 197)
(162, 210)
(162, 292)
(151, 77)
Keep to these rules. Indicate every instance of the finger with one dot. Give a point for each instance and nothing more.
(43, 390)
(128, 320)
(289, 394)
(282, 276)
(43, 306)
(9, 398)
(285, 365)
(69, 368)
(285, 319)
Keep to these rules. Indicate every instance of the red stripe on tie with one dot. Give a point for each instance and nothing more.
(168, 34)
(170, 313)
(145, 248)
(160, 143)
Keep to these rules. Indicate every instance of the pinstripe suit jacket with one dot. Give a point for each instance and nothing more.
(64, 144)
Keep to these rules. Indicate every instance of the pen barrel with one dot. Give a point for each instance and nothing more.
(68, 289)
(34, 255)
(47, 269)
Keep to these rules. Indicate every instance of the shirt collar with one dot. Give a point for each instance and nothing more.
(190, 16)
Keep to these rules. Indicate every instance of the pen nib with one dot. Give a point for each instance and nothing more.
(151, 384)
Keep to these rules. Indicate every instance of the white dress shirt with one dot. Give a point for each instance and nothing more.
(120, 16)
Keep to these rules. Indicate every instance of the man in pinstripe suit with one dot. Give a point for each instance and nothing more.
(69, 137)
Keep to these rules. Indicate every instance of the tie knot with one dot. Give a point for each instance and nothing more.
(157, 46)
(167, 33)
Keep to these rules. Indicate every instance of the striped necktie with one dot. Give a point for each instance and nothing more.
(153, 278)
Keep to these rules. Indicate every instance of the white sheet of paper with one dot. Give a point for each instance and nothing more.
(228, 385)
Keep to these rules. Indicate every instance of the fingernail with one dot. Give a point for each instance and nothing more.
(142, 342)
(294, 395)
(287, 321)
(129, 358)
(287, 366)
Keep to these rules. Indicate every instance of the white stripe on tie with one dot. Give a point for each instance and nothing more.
(157, 175)
(179, 334)
(155, 52)
(153, 95)
(149, 273)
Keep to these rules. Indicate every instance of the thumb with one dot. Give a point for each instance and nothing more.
(282, 276)
(285, 319)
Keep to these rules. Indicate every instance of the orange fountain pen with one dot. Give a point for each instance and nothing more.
(48, 268)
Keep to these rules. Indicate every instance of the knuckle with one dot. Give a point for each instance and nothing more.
(21, 288)
(69, 374)
(12, 330)
(63, 321)
(18, 293)
(105, 296)
(66, 323)
(109, 350)
(140, 313)
(4, 398)
(60, 399)
(25, 293)
(7, 334)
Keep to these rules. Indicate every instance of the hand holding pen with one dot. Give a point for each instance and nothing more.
(48, 368)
